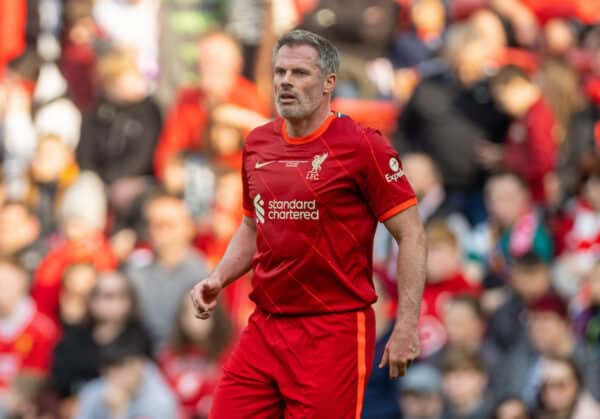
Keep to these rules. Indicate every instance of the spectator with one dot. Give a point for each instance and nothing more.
(587, 323)
(380, 398)
(192, 362)
(531, 146)
(111, 320)
(119, 134)
(130, 386)
(421, 393)
(582, 240)
(220, 66)
(515, 228)
(466, 327)
(511, 408)
(16, 124)
(132, 24)
(77, 284)
(424, 39)
(450, 112)
(161, 285)
(563, 395)
(445, 279)
(82, 216)
(178, 66)
(549, 335)
(465, 380)
(52, 170)
(24, 244)
(529, 280)
(26, 337)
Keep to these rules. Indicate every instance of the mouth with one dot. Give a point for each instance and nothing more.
(286, 98)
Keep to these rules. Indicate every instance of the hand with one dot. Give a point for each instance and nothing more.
(401, 350)
(117, 398)
(204, 296)
(490, 155)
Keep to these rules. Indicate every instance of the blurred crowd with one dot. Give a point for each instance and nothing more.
(121, 129)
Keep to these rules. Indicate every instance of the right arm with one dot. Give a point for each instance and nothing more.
(235, 263)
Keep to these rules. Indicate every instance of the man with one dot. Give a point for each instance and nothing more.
(315, 185)
(162, 284)
(420, 395)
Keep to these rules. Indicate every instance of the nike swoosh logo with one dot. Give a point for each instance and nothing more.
(258, 164)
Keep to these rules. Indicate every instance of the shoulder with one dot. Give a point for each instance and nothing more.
(43, 327)
(260, 133)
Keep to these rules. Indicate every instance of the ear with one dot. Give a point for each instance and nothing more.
(329, 84)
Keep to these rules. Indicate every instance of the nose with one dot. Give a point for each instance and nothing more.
(285, 80)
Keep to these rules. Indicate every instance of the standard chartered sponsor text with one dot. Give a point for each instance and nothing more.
(295, 209)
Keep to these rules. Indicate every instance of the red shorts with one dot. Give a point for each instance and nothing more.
(298, 367)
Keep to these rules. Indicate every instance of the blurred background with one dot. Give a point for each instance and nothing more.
(121, 129)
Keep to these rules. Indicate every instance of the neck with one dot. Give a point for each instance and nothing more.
(172, 256)
(105, 333)
(303, 126)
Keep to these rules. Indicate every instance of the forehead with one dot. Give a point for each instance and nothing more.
(290, 56)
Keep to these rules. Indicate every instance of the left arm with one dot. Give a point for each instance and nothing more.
(403, 346)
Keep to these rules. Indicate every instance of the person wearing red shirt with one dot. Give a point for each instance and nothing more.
(192, 362)
(445, 280)
(531, 146)
(315, 185)
(220, 66)
(27, 337)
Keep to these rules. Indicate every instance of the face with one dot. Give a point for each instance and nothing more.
(14, 239)
(463, 388)
(228, 192)
(300, 87)
(13, 284)
(513, 96)
(219, 64)
(559, 389)
(512, 409)
(558, 37)
(547, 331)
(428, 15)
(128, 375)
(128, 87)
(77, 230)
(196, 330)
(50, 160)
(463, 326)
(170, 224)
(471, 61)
(443, 260)
(110, 300)
(421, 405)
(530, 283)
(506, 200)
(225, 140)
(420, 172)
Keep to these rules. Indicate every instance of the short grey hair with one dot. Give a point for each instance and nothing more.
(329, 58)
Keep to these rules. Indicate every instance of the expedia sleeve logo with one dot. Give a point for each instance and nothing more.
(397, 172)
(294, 209)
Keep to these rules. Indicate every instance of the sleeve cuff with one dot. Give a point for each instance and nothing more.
(397, 209)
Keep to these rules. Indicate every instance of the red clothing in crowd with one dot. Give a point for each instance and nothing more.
(587, 11)
(13, 19)
(27, 339)
(186, 124)
(193, 378)
(532, 147)
(435, 296)
(48, 277)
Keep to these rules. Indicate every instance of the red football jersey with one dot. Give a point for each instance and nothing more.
(316, 201)
(27, 339)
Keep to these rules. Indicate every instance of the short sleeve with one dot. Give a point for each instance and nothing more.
(247, 202)
(383, 182)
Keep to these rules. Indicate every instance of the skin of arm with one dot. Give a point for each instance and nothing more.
(235, 263)
(404, 346)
